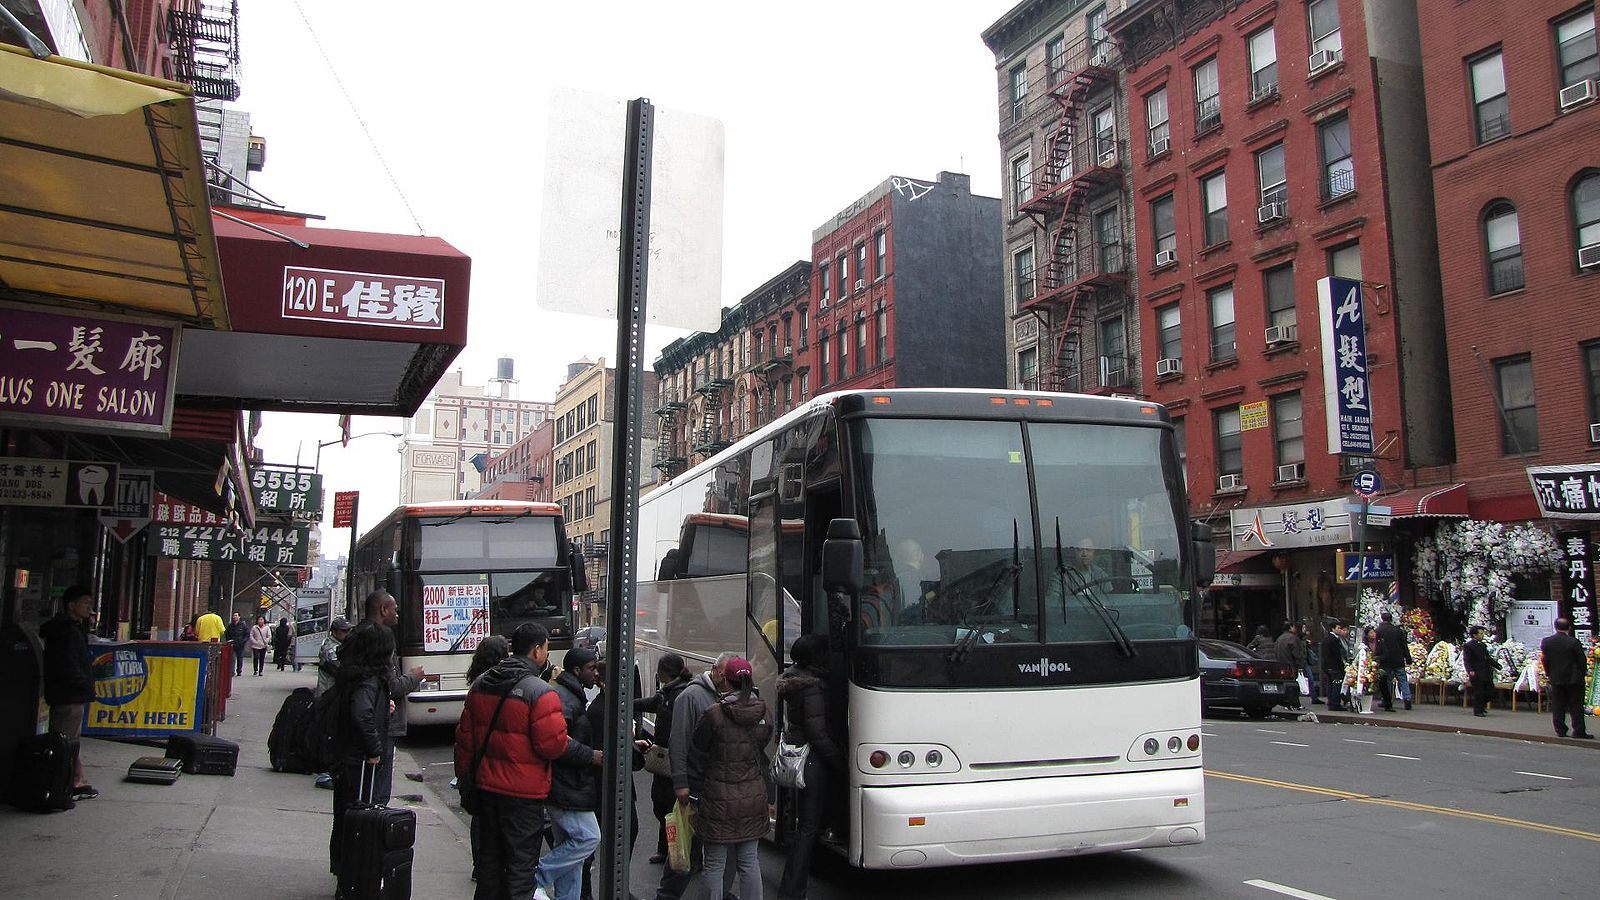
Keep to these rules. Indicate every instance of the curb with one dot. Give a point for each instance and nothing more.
(1387, 722)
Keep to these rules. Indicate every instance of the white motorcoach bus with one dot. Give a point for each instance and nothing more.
(1008, 584)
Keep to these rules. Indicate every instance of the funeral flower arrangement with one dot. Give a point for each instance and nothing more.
(1445, 664)
(1513, 658)
(1371, 604)
(1471, 564)
(1419, 622)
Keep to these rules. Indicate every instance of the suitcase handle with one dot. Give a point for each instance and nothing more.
(367, 788)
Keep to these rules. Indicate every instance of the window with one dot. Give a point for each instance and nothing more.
(588, 501)
(1519, 424)
(1207, 97)
(805, 385)
(861, 346)
(1272, 178)
(1055, 59)
(756, 357)
(1164, 224)
(1279, 287)
(1113, 353)
(1214, 191)
(883, 335)
(805, 327)
(827, 286)
(1345, 261)
(1575, 45)
(1490, 108)
(880, 242)
(1503, 243)
(844, 352)
(1099, 39)
(1230, 446)
(1169, 332)
(1288, 429)
(1021, 181)
(1155, 114)
(1586, 209)
(1223, 345)
(1108, 240)
(788, 332)
(1022, 273)
(861, 261)
(822, 372)
(1180, 443)
(1324, 16)
(1105, 135)
(1263, 63)
(843, 263)
(1019, 93)
(1591, 363)
(1338, 168)
(1028, 368)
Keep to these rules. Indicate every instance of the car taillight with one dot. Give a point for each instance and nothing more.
(1244, 670)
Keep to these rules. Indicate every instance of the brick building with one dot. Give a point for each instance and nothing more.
(522, 471)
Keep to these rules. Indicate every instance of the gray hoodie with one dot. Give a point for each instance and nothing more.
(686, 712)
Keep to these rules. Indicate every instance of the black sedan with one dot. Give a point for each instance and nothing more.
(1232, 677)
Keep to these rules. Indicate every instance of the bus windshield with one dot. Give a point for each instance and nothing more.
(476, 543)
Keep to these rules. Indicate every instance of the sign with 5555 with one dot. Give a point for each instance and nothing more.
(286, 493)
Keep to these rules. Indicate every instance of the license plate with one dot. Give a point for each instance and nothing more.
(1272, 689)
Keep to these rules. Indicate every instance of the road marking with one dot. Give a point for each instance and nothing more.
(1288, 744)
(1407, 805)
(1354, 741)
(1543, 775)
(1398, 756)
(1285, 890)
(1270, 731)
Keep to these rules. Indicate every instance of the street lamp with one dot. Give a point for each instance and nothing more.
(316, 465)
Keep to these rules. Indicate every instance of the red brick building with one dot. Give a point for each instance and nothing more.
(1515, 133)
(522, 470)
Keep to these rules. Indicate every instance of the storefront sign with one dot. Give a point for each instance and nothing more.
(1313, 524)
(1530, 621)
(172, 511)
(81, 484)
(269, 545)
(363, 298)
(146, 690)
(277, 545)
(433, 459)
(1577, 583)
(344, 509)
(1567, 492)
(287, 494)
(87, 372)
(136, 490)
(1344, 366)
(1365, 566)
(453, 613)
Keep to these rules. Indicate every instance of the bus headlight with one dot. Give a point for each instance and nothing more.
(906, 758)
(1174, 743)
(1151, 745)
(935, 758)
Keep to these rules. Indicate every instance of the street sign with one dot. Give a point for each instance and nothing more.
(1367, 483)
(344, 508)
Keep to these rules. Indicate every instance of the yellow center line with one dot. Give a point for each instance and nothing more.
(1408, 805)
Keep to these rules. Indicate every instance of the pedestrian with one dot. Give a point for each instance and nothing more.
(260, 640)
(731, 816)
(575, 783)
(239, 636)
(382, 612)
(189, 634)
(1262, 644)
(69, 678)
(1564, 665)
(1481, 667)
(1290, 650)
(704, 690)
(281, 636)
(328, 653)
(491, 650)
(363, 727)
(596, 714)
(1393, 655)
(513, 718)
(1335, 656)
(672, 676)
(803, 695)
(1313, 667)
(209, 626)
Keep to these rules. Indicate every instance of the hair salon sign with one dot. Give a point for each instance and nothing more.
(86, 372)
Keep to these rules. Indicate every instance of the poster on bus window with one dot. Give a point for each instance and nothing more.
(454, 616)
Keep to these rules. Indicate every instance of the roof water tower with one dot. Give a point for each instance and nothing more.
(503, 383)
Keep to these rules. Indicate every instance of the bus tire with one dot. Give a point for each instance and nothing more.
(1258, 712)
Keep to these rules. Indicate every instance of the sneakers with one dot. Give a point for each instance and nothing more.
(1481, 715)
(539, 894)
(85, 792)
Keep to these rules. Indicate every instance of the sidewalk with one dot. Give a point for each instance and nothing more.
(1526, 724)
(260, 835)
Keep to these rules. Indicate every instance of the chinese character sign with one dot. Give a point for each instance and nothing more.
(88, 372)
(295, 495)
(454, 616)
(172, 511)
(1354, 566)
(25, 481)
(208, 542)
(1344, 366)
(363, 298)
(1566, 492)
(1577, 582)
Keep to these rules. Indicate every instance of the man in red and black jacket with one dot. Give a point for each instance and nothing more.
(529, 731)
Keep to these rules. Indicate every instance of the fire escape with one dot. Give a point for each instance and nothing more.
(1076, 169)
(670, 458)
(205, 48)
(708, 437)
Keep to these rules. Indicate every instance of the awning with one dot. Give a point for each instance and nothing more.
(1236, 560)
(102, 192)
(1447, 500)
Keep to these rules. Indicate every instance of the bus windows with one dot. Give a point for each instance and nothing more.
(518, 597)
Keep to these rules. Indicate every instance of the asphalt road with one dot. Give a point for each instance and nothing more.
(1301, 810)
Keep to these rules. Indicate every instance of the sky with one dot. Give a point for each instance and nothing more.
(820, 103)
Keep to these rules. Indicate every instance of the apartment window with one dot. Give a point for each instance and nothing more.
(844, 352)
(1164, 224)
(805, 385)
(1055, 59)
(1273, 180)
(827, 286)
(1105, 135)
(1263, 63)
(880, 242)
(1019, 93)
(1169, 332)
(827, 349)
(1021, 181)
(1207, 97)
(588, 501)
(1214, 193)
(1490, 108)
(1586, 209)
(496, 437)
(882, 332)
(1519, 426)
(1155, 114)
(1338, 166)
(1279, 287)
(1575, 44)
(1108, 240)
(1344, 261)
(1324, 17)
(1113, 353)
(1180, 443)
(1028, 368)
(788, 333)
(1223, 331)
(497, 415)
(1230, 445)
(1022, 273)
(861, 261)
(1591, 363)
(843, 263)
(1288, 429)
(1099, 38)
(758, 348)
(861, 346)
(1503, 245)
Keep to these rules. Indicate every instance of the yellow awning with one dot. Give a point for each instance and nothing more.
(103, 192)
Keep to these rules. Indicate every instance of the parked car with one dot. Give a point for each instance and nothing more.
(1232, 677)
(592, 637)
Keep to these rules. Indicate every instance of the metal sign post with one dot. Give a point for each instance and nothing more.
(632, 279)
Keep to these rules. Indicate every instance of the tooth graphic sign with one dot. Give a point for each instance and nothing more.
(57, 482)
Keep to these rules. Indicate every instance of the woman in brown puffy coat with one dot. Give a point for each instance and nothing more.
(730, 740)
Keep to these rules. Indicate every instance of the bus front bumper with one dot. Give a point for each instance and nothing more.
(932, 825)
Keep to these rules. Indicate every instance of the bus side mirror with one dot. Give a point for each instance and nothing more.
(391, 579)
(841, 558)
(580, 572)
(1205, 553)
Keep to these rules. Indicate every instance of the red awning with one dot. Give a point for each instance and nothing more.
(1237, 560)
(1444, 500)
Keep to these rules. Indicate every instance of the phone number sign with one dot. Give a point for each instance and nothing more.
(453, 613)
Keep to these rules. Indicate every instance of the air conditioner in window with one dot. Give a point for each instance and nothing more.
(1271, 212)
(1100, 58)
(1281, 334)
(1165, 367)
(823, 304)
(1230, 482)
(1166, 257)
(1291, 472)
(788, 350)
(1108, 157)
(1594, 432)
(1160, 146)
(860, 284)
(1589, 257)
(1577, 94)
(1324, 58)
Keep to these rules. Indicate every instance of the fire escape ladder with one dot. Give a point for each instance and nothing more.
(1068, 343)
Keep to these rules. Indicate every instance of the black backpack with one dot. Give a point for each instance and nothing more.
(283, 750)
(320, 741)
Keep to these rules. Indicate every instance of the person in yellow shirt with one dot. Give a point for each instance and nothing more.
(209, 627)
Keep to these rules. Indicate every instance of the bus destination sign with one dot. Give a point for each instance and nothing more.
(452, 613)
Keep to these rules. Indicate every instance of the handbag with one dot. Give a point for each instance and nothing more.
(789, 763)
(658, 761)
(467, 784)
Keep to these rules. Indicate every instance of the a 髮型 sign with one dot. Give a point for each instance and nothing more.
(87, 372)
(1346, 383)
(363, 298)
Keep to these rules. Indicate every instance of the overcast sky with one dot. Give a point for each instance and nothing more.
(820, 103)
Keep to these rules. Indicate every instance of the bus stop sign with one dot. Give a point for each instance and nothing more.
(1367, 483)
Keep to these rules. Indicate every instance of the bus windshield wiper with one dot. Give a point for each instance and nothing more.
(1008, 572)
(476, 615)
(1073, 581)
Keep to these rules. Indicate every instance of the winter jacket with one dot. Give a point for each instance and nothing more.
(1334, 653)
(1563, 659)
(686, 712)
(327, 663)
(661, 705)
(366, 728)
(281, 637)
(238, 634)
(68, 677)
(1289, 649)
(529, 733)
(803, 693)
(575, 780)
(1479, 664)
(1393, 652)
(730, 740)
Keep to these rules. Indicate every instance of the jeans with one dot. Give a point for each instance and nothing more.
(578, 834)
(509, 830)
(238, 658)
(813, 803)
(1312, 680)
(1387, 679)
(746, 858)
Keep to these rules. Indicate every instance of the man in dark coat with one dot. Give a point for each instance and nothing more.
(1564, 665)
(1290, 650)
(1393, 655)
(382, 612)
(1480, 666)
(1335, 657)
(69, 678)
(238, 634)
(574, 782)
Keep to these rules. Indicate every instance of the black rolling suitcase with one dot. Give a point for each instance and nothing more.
(203, 754)
(41, 780)
(281, 749)
(376, 852)
(155, 770)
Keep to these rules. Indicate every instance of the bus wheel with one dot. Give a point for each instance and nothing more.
(1258, 712)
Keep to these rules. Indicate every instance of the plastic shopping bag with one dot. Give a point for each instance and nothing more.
(1305, 686)
(680, 834)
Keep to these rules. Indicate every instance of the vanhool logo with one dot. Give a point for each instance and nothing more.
(1045, 666)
